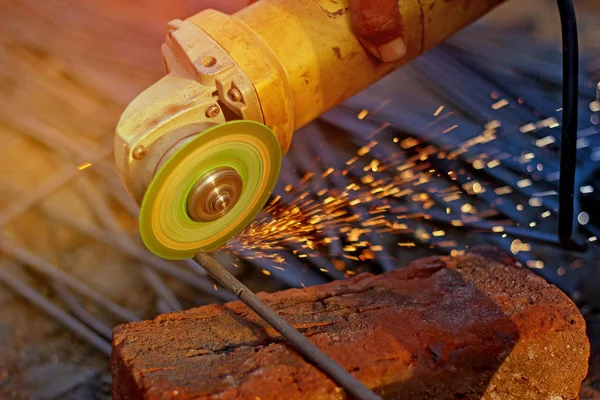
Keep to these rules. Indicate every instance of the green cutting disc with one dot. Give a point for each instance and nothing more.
(249, 148)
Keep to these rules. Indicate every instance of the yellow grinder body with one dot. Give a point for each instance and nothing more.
(200, 150)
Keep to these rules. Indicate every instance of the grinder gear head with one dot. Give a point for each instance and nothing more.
(190, 151)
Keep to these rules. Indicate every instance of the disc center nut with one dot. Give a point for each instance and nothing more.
(215, 194)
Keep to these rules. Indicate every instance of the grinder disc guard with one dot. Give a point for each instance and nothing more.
(247, 148)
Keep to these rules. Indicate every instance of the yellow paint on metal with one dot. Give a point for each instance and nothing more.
(303, 58)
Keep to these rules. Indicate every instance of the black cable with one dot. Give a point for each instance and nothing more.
(568, 148)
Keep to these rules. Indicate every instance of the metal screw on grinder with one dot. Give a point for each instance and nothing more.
(234, 94)
(139, 152)
(212, 111)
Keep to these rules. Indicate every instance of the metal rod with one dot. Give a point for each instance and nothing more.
(42, 191)
(73, 148)
(39, 264)
(306, 347)
(104, 214)
(160, 288)
(129, 247)
(79, 311)
(44, 304)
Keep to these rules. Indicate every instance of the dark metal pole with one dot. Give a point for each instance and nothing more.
(306, 347)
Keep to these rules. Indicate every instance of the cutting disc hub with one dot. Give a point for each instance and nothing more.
(215, 194)
(210, 189)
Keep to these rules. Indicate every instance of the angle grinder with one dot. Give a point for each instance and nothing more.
(200, 150)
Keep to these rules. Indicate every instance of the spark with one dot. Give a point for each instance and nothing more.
(493, 125)
(466, 208)
(361, 115)
(549, 123)
(478, 164)
(408, 143)
(328, 172)
(545, 141)
(394, 194)
(493, 163)
(523, 183)
(364, 150)
(499, 104)
(449, 129)
(352, 161)
(535, 202)
(517, 246)
(503, 190)
(407, 244)
(527, 128)
(529, 156)
(536, 264)
(84, 166)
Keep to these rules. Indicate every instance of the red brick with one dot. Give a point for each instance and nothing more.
(443, 328)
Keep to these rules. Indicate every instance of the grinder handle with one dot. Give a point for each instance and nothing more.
(303, 58)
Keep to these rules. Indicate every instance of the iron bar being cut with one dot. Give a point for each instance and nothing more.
(306, 347)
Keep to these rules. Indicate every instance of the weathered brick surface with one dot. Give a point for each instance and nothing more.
(441, 328)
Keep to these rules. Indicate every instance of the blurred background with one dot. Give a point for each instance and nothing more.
(471, 130)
